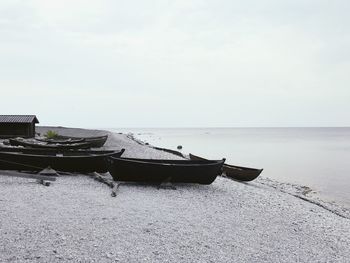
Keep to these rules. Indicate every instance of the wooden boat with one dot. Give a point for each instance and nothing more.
(95, 142)
(49, 151)
(169, 151)
(61, 141)
(32, 144)
(237, 173)
(66, 161)
(157, 171)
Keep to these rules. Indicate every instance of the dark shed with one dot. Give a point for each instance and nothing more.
(17, 125)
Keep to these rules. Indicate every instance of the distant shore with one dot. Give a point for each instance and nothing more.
(76, 219)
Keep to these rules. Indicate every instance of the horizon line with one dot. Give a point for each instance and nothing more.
(198, 127)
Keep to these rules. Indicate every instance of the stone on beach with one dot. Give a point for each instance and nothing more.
(76, 220)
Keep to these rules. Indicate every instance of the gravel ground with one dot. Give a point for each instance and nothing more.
(75, 219)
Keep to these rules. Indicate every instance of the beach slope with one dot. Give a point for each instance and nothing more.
(75, 219)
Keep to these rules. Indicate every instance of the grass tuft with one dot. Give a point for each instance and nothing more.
(51, 134)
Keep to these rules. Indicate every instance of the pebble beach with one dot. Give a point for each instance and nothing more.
(75, 219)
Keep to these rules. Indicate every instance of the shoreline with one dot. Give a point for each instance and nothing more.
(315, 159)
(302, 192)
(76, 219)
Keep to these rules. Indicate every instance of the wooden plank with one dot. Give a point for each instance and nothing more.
(114, 190)
(103, 179)
(114, 185)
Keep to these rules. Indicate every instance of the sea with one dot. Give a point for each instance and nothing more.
(315, 157)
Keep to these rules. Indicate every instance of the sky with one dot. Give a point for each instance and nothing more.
(179, 63)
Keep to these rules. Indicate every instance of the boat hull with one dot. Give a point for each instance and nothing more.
(95, 142)
(241, 173)
(70, 161)
(62, 141)
(52, 151)
(238, 173)
(157, 171)
(81, 145)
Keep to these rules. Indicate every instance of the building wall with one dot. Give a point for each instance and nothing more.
(17, 130)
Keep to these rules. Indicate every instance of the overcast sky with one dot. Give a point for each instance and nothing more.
(178, 63)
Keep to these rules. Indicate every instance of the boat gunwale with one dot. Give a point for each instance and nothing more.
(242, 168)
(84, 138)
(79, 145)
(161, 162)
(67, 156)
(62, 141)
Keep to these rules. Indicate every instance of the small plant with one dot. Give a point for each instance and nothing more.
(51, 134)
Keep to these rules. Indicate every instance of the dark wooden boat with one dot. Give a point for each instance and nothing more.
(32, 144)
(49, 151)
(157, 171)
(61, 141)
(169, 151)
(95, 142)
(237, 173)
(67, 161)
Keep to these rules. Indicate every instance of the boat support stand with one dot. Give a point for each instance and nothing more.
(166, 184)
(100, 178)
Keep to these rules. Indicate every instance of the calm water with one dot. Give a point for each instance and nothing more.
(315, 157)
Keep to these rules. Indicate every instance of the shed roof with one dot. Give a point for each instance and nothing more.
(18, 119)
